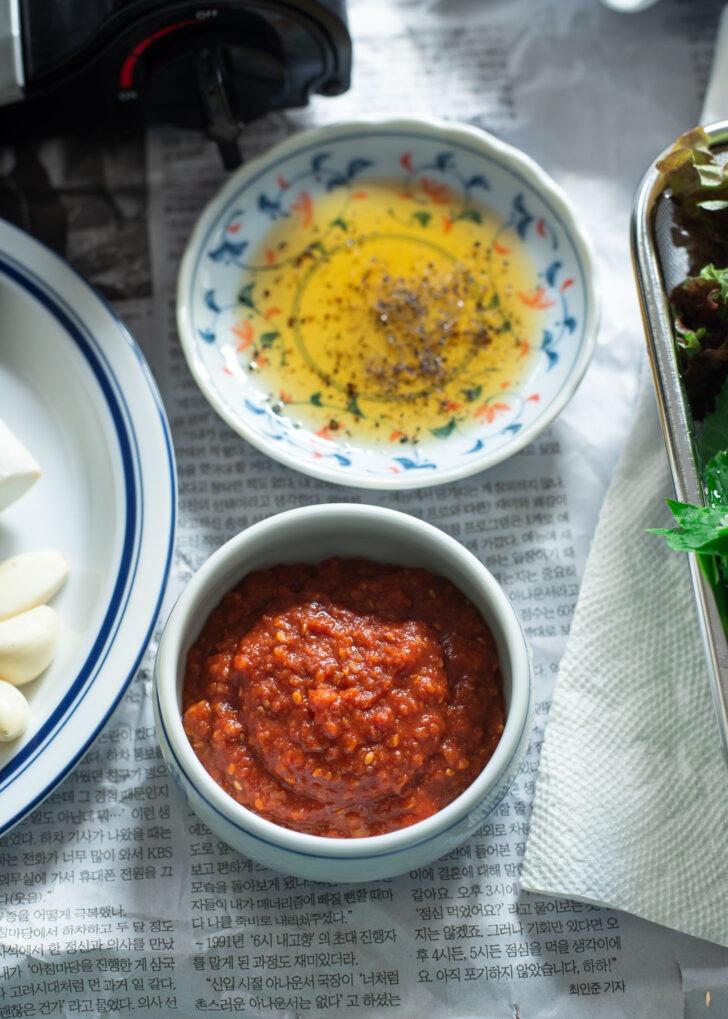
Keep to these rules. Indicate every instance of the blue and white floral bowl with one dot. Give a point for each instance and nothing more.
(451, 173)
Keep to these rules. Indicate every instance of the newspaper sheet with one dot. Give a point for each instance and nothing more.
(114, 899)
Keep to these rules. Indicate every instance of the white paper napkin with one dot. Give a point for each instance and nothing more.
(631, 805)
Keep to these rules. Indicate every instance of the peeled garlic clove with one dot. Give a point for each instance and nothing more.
(18, 469)
(27, 644)
(14, 712)
(30, 579)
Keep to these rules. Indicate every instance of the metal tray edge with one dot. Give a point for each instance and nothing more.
(675, 419)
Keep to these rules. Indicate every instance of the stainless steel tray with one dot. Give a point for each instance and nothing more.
(658, 266)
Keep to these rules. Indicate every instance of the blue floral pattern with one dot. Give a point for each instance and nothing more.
(458, 170)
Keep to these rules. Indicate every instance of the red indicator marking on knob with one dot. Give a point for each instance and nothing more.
(126, 76)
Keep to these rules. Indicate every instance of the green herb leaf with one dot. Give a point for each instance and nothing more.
(715, 476)
(710, 176)
(690, 341)
(714, 440)
(719, 277)
(700, 528)
(691, 168)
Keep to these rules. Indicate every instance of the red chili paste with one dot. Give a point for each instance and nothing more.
(344, 699)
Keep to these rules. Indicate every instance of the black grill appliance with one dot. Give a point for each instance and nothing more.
(105, 65)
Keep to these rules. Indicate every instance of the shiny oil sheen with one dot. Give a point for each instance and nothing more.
(394, 315)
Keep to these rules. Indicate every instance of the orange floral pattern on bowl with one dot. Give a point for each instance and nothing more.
(443, 182)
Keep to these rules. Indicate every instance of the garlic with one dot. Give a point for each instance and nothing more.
(27, 644)
(14, 712)
(30, 579)
(29, 628)
(18, 469)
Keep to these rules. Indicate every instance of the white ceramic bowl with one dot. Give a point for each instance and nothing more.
(312, 534)
(451, 182)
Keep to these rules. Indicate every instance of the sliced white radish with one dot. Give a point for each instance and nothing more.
(18, 469)
(30, 579)
(14, 712)
(27, 644)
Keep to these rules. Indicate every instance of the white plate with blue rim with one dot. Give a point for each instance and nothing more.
(388, 304)
(76, 391)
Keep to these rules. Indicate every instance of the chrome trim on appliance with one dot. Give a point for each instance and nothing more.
(12, 78)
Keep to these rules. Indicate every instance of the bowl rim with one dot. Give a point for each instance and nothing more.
(458, 132)
(215, 577)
